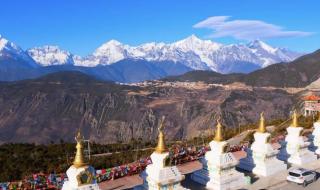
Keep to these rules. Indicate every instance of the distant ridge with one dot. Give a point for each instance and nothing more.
(69, 77)
(298, 73)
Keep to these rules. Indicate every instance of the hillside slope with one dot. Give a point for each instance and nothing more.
(298, 73)
(54, 106)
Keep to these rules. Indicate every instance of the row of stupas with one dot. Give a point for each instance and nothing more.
(295, 150)
(219, 173)
(263, 160)
(159, 175)
(219, 166)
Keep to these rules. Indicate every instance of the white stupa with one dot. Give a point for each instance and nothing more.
(294, 149)
(159, 175)
(80, 175)
(261, 157)
(219, 171)
(316, 136)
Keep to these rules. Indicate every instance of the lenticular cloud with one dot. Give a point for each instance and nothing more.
(222, 26)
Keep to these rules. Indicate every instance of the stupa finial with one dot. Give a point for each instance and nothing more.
(294, 119)
(79, 158)
(161, 147)
(262, 126)
(218, 136)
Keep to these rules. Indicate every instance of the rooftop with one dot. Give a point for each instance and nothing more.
(311, 98)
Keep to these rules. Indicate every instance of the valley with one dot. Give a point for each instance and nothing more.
(51, 108)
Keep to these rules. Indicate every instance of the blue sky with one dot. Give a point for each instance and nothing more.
(80, 26)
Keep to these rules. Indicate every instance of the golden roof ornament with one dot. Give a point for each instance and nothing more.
(294, 119)
(262, 126)
(218, 136)
(161, 147)
(79, 158)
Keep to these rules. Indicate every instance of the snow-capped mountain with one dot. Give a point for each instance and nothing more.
(110, 52)
(269, 55)
(50, 55)
(9, 50)
(193, 52)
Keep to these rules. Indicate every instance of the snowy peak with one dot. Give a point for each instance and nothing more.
(194, 43)
(110, 52)
(269, 55)
(113, 43)
(50, 55)
(191, 40)
(6, 45)
(11, 50)
(261, 46)
(3, 43)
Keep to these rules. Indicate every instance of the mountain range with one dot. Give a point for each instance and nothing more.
(52, 107)
(123, 63)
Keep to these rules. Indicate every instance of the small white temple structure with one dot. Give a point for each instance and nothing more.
(316, 136)
(160, 175)
(261, 157)
(219, 171)
(80, 174)
(294, 149)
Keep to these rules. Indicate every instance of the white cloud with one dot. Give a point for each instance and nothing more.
(222, 26)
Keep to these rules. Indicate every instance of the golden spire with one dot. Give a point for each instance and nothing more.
(78, 159)
(218, 136)
(262, 126)
(161, 147)
(294, 119)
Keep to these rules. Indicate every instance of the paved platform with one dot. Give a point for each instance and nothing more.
(279, 181)
(132, 181)
(121, 183)
(293, 186)
(189, 167)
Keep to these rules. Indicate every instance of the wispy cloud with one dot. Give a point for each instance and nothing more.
(222, 26)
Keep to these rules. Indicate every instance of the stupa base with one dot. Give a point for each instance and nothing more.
(229, 181)
(270, 168)
(67, 186)
(301, 160)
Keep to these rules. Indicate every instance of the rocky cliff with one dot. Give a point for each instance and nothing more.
(51, 108)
